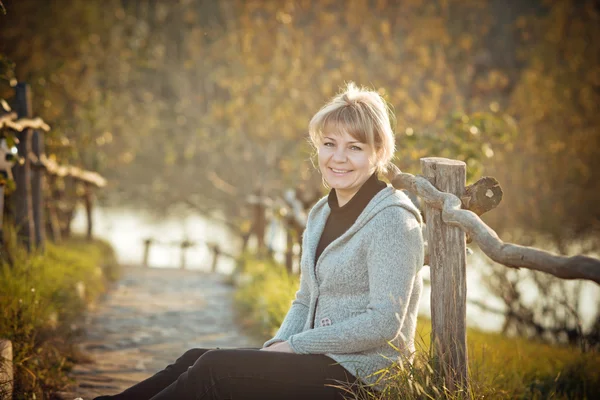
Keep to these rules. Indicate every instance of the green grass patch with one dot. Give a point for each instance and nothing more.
(263, 295)
(499, 367)
(42, 297)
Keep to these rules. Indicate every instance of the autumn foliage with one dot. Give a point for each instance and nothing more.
(204, 102)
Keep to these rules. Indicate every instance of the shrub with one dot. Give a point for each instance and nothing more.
(42, 295)
(264, 294)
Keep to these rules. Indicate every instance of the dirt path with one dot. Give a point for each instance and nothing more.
(146, 322)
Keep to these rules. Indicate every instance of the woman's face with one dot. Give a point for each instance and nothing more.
(345, 164)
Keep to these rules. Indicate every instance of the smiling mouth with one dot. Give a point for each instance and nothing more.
(340, 171)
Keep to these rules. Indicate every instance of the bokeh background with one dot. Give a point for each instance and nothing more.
(188, 107)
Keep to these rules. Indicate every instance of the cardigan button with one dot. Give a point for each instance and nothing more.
(325, 321)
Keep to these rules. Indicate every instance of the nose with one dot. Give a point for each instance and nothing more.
(339, 155)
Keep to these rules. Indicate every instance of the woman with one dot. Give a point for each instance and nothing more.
(360, 280)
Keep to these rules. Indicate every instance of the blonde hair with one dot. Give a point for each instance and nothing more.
(364, 115)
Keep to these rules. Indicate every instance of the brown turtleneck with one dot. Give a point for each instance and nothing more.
(342, 218)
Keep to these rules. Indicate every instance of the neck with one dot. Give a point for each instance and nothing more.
(343, 197)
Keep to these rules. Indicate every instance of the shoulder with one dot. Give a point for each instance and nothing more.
(397, 218)
(319, 208)
(397, 205)
(396, 232)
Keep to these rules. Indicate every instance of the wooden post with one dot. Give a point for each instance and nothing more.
(216, 252)
(37, 192)
(6, 161)
(289, 245)
(147, 243)
(260, 223)
(447, 259)
(185, 244)
(1, 215)
(22, 173)
(51, 202)
(69, 200)
(183, 247)
(6, 370)
(87, 200)
(245, 238)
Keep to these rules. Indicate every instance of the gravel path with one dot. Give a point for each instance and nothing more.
(146, 322)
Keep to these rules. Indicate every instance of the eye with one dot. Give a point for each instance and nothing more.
(328, 144)
(356, 148)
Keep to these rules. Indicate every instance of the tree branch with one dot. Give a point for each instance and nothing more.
(508, 254)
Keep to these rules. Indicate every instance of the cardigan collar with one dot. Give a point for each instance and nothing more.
(387, 197)
(359, 201)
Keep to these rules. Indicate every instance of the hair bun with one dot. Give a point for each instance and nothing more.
(347, 99)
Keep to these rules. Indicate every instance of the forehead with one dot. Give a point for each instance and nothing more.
(341, 132)
(341, 137)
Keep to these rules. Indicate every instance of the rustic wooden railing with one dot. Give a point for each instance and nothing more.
(184, 245)
(448, 215)
(33, 168)
(29, 171)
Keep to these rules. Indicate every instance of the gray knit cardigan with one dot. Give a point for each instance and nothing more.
(364, 292)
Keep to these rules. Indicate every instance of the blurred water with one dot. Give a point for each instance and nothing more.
(126, 230)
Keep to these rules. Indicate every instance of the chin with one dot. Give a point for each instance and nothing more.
(341, 186)
(343, 180)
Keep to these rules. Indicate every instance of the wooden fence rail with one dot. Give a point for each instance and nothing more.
(508, 254)
(184, 245)
(34, 171)
(29, 172)
(445, 197)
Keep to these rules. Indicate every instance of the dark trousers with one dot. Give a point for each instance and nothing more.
(243, 374)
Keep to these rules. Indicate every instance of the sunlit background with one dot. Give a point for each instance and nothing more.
(187, 107)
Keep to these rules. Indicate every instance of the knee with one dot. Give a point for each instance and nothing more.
(211, 357)
(213, 360)
(190, 357)
(210, 375)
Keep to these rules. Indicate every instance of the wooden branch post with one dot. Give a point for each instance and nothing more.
(182, 261)
(447, 260)
(289, 246)
(184, 245)
(260, 226)
(37, 192)
(88, 201)
(51, 208)
(216, 252)
(23, 210)
(69, 200)
(508, 254)
(6, 162)
(6, 369)
(147, 244)
(1, 215)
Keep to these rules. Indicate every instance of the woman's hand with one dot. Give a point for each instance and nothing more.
(282, 347)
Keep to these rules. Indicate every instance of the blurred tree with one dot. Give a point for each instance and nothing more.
(545, 308)
(205, 102)
(551, 172)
